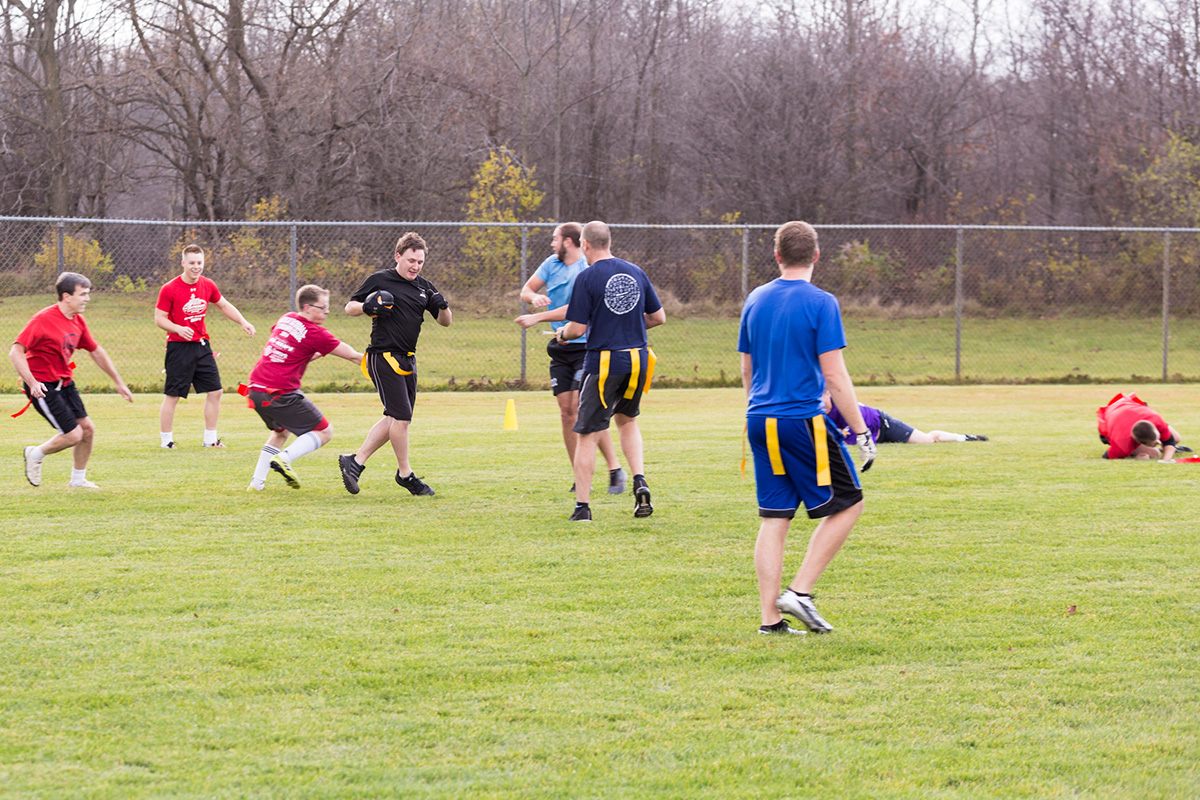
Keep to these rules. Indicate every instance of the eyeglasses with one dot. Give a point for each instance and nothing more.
(323, 308)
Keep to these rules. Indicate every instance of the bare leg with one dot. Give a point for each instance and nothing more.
(166, 414)
(83, 449)
(631, 443)
(609, 452)
(768, 564)
(376, 437)
(398, 433)
(61, 441)
(585, 464)
(212, 409)
(568, 410)
(825, 543)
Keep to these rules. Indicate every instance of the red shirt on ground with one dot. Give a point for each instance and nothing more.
(1116, 421)
(186, 304)
(293, 343)
(50, 339)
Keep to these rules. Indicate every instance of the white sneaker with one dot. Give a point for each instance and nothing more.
(83, 484)
(254, 487)
(33, 469)
(802, 608)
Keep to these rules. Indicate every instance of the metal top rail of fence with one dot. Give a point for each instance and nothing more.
(978, 275)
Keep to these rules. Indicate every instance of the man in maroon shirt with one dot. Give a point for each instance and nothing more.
(42, 357)
(274, 387)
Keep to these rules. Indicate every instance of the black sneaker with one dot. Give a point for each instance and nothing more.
(780, 627)
(978, 437)
(1182, 448)
(641, 498)
(414, 484)
(618, 479)
(351, 471)
(581, 514)
(801, 607)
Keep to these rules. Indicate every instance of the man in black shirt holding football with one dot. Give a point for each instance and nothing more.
(397, 300)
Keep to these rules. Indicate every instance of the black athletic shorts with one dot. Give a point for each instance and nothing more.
(395, 378)
(291, 411)
(893, 431)
(188, 364)
(595, 416)
(62, 406)
(566, 366)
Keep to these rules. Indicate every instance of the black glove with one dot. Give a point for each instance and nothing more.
(377, 301)
(439, 302)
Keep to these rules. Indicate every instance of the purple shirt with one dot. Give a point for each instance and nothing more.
(870, 416)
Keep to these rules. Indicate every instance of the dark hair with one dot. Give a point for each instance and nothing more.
(796, 243)
(572, 231)
(410, 241)
(309, 294)
(69, 282)
(1144, 432)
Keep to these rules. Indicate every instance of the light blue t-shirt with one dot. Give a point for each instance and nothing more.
(786, 326)
(559, 278)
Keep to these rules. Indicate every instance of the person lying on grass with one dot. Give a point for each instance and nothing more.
(886, 429)
(1132, 429)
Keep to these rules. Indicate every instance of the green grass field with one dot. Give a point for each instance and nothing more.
(1014, 618)
(482, 350)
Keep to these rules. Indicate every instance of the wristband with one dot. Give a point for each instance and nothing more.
(864, 433)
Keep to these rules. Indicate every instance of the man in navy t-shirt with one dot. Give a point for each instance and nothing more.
(613, 302)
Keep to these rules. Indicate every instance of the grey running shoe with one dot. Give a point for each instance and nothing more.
(414, 484)
(618, 479)
(581, 514)
(979, 437)
(281, 465)
(801, 607)
(641, 499)
(351, 471)
(33, 469)
(1182, 448)
(83, 484)
(778, 628)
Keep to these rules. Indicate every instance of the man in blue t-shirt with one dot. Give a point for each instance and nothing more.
(557, 276)
(791, 342)
(613, 302)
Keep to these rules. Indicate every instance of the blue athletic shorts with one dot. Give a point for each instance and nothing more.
(786, 467)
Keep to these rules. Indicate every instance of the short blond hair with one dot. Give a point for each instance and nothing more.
(309, 294)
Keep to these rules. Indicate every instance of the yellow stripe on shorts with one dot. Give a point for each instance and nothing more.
(605, 356)
(821, 446)
(773, 447)
(650, 361)
(390, 359)
(363, 365)
(635, 362)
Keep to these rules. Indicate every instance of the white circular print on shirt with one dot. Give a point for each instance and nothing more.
(621, 293)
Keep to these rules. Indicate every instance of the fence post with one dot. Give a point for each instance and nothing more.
(1166, 298)
(958, 306)
(292, 271)
(524, 278)
(62, 254)
(745, 262)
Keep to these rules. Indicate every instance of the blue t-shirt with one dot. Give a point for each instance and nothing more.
(559, 278)
(612, 298)
(786, 326)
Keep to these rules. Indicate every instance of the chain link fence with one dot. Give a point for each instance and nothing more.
(922, 304)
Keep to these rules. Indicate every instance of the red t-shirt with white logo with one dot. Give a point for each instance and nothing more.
(293, 343)
(50, 339)
(186, 303)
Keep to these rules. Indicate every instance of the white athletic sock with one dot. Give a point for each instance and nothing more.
(38, 455)
(302, 446)
(165, 438)
(962, 437)
(210, 437)
(264, 464)
(78, 475)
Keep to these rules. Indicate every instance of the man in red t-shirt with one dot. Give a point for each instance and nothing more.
(274, 387)
(1130, 428)
(182, 304)
(42, 357)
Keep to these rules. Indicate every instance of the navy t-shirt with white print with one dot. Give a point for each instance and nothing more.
(612, 297)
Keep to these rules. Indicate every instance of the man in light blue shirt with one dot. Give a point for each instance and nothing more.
(556, 276)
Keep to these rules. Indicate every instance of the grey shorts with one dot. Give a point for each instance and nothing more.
(291, 411)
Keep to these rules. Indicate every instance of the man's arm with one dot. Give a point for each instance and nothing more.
(747, 374)
(445, 317)
(229, 310)
(347, 352)
(572, 330)
(529, 292)
(19, 361)
(354, 308)
(656, 319)
(105, 363)
(553, 315)
(841, 388)
(163, 321)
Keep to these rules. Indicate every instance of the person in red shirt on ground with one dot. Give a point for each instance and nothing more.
(1131, 429)
(182, 304)
(42, 357)
(274, 388)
